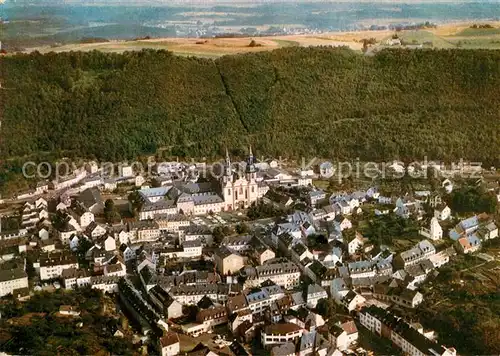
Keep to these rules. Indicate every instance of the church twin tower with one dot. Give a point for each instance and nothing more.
(240, 191)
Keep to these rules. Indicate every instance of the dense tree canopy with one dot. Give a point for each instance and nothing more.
(328, 102)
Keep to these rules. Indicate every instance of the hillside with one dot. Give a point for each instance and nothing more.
(328, 102)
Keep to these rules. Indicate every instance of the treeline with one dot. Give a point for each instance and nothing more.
(328, 102)
(471, 199)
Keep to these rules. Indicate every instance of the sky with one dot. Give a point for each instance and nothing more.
(210, 2)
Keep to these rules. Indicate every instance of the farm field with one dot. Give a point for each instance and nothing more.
(444, 36)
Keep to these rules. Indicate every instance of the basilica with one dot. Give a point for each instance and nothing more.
(234, 189)
(241, 190)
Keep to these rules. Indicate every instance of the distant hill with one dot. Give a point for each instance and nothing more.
(326, 102)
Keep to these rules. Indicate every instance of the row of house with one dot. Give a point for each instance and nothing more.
(410, 339)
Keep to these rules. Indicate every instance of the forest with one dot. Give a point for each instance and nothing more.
(324, 102)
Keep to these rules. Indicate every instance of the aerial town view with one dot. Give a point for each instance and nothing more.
(283, 178)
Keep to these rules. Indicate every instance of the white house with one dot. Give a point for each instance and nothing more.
(94, 231)
(355, 244)
(442, 212)
(116, 269)
(43, 234)
(109, 243)
(339, 289)
(126, 171)
(66, 233)
(345, 335)
(127, 252)
(170, 344)
(342, 223)
(52, 264)
(353, 301)
(11, 280)
(277, 334)
(74, 242)
(314, 294)
(434, 232)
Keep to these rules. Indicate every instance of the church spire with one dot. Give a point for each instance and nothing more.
(228, 163)
(250, 168)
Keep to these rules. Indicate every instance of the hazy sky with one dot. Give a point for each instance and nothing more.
(210, 2)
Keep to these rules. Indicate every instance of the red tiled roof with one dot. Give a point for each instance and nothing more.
(169, 339)
(349, 327)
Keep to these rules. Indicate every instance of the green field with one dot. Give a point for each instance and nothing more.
(476, 43)
(479, 32)
(421, 37)
(286, 43)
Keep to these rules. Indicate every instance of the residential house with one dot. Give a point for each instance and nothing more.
(11, 280)
(443, 257)
(192, 294)
(362, 269)
(107, 284)
(410, 340)
(109, 243)
(172, 223)
(212, 317)
(277, 199)
(285, 274)
(314, 294)
(488, 231)
(424, 249)
(196, 232)
(312, 343)
(47, 245)
(81, 215)
(434, 232)
(353, 301)
(51, 264)
(237, 244)
(127, 252)
(338, 289)
(356, 244)
(262, 253)
(164, 303)
(464, 227)
(227, 262)
(74, 277)
(342, 223)
(277, 334)
(92, 201)
(93, 230)
(300, 253)
(43, 234)
(442, 212)
(315, 196)
(115, 269)
(144, 231)
(344, 335)
(468, 244)
(258, 300)
(169, 344)
(65, 233)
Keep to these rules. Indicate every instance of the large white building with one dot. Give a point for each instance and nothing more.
(233, 190)
(285, 274)
(240, 191)
(52, 264)
(277, 334)
(11, 280)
